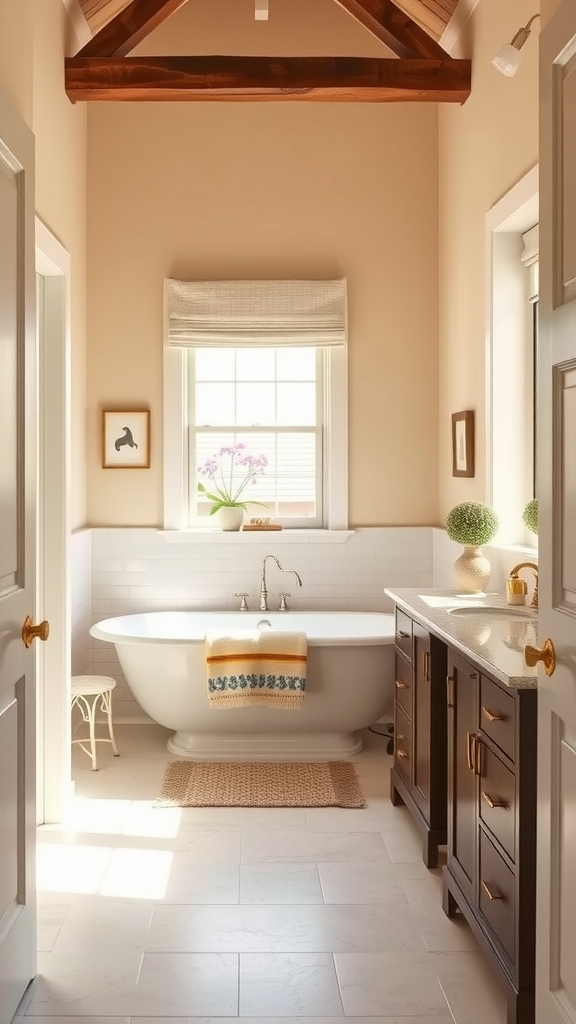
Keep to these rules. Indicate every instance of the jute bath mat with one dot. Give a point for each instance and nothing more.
(260, 784)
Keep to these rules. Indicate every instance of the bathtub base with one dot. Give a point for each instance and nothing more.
(258, 747)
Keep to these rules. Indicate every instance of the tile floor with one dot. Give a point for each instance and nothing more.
(285, 915)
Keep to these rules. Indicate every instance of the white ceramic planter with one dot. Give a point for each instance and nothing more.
(230, 517)
(472, 570)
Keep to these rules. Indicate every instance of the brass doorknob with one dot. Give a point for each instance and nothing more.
(31, 632)
(545, 654)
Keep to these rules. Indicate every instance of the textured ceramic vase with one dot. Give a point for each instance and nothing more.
(230, 517)
(472, 570)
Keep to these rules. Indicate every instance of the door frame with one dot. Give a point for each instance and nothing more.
(54, 782)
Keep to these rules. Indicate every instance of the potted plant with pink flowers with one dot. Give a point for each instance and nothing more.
(230, 470)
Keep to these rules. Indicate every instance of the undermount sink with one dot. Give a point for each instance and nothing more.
(495, 612)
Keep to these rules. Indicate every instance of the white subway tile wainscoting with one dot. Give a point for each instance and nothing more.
(118, 571)
(137, 570)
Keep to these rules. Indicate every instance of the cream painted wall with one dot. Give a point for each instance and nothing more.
(484, 148)
(17, 53)
(34, 36)
(547, 8)
(208, 190)
(60, 128)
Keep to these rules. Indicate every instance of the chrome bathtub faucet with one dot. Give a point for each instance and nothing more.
(263, 591)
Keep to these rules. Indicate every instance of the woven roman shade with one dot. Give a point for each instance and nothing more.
(213, 314)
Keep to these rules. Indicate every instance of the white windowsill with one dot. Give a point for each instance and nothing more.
(206, 535)
(519, 549)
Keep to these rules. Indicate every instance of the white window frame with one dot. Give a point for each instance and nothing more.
(335, 482)
(506, 306)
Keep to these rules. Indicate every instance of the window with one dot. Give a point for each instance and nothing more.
(271, 400)
(263, 364)
(512, 255)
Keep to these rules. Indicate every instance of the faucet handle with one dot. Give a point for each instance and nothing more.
(243, 602)
(283, 606)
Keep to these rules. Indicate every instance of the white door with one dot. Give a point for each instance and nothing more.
(556, 887)
(17, 559)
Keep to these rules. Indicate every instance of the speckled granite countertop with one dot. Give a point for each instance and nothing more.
(495, 644)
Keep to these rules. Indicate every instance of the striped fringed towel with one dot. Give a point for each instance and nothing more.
(248, 667)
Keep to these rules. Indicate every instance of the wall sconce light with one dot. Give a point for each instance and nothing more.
(508, 59)
(261, 10)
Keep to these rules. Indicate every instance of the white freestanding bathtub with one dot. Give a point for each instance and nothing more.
(350, 682)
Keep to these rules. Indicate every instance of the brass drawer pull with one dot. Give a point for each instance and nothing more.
(490, 893)
(401, 686)
(427, 666)
(402, 636)
(400, 738)
(474, 753)
(449, 697)
(492, 717)
(469, 757)
(493, 803)
(402, 753)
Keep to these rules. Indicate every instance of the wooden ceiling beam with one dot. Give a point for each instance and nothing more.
(337, 79)
(129, 27)
(392, 26)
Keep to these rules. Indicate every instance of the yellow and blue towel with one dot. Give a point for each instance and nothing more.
(247, 667)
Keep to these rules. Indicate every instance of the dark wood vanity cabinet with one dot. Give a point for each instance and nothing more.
(490, 875)
(418, 776)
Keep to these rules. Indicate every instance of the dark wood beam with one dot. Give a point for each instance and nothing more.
(339, 79)
(129, 28)
(393, 26)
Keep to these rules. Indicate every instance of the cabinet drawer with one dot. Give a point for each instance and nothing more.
(404, 684)
(498, 716)
(404, 634)
(403, 743)
(497, 895)
(497, 799)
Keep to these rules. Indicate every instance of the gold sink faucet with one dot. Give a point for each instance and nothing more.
(514, 576)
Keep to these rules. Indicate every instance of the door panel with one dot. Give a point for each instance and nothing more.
(17, 560)
(556, 851)
(8, 376)
(9, 807)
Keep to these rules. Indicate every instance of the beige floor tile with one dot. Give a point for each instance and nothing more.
(284, 984)
(377, 881)
(280, 883)
(283, 929)
(242, 818)
(95, 924)
(142, 984)
(258, 1020)
(269, 1020)
(244, 879)
(471, 990)
(194, 883)
(389, 983)
(302, 847)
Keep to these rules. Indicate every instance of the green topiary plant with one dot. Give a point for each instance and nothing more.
(530, 516)
(471, 522)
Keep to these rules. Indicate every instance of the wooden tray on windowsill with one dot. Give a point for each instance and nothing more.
(253, 527)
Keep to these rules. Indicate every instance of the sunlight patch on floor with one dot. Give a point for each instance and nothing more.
(103, 871)
(120, 817)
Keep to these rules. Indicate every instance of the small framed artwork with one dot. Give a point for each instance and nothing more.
(463, 443)
(126, 439)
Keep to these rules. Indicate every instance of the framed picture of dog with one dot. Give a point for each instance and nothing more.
(126, 439)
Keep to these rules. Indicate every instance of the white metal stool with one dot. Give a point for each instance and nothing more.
(87, 692)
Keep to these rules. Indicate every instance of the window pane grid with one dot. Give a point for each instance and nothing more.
(289, 433)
